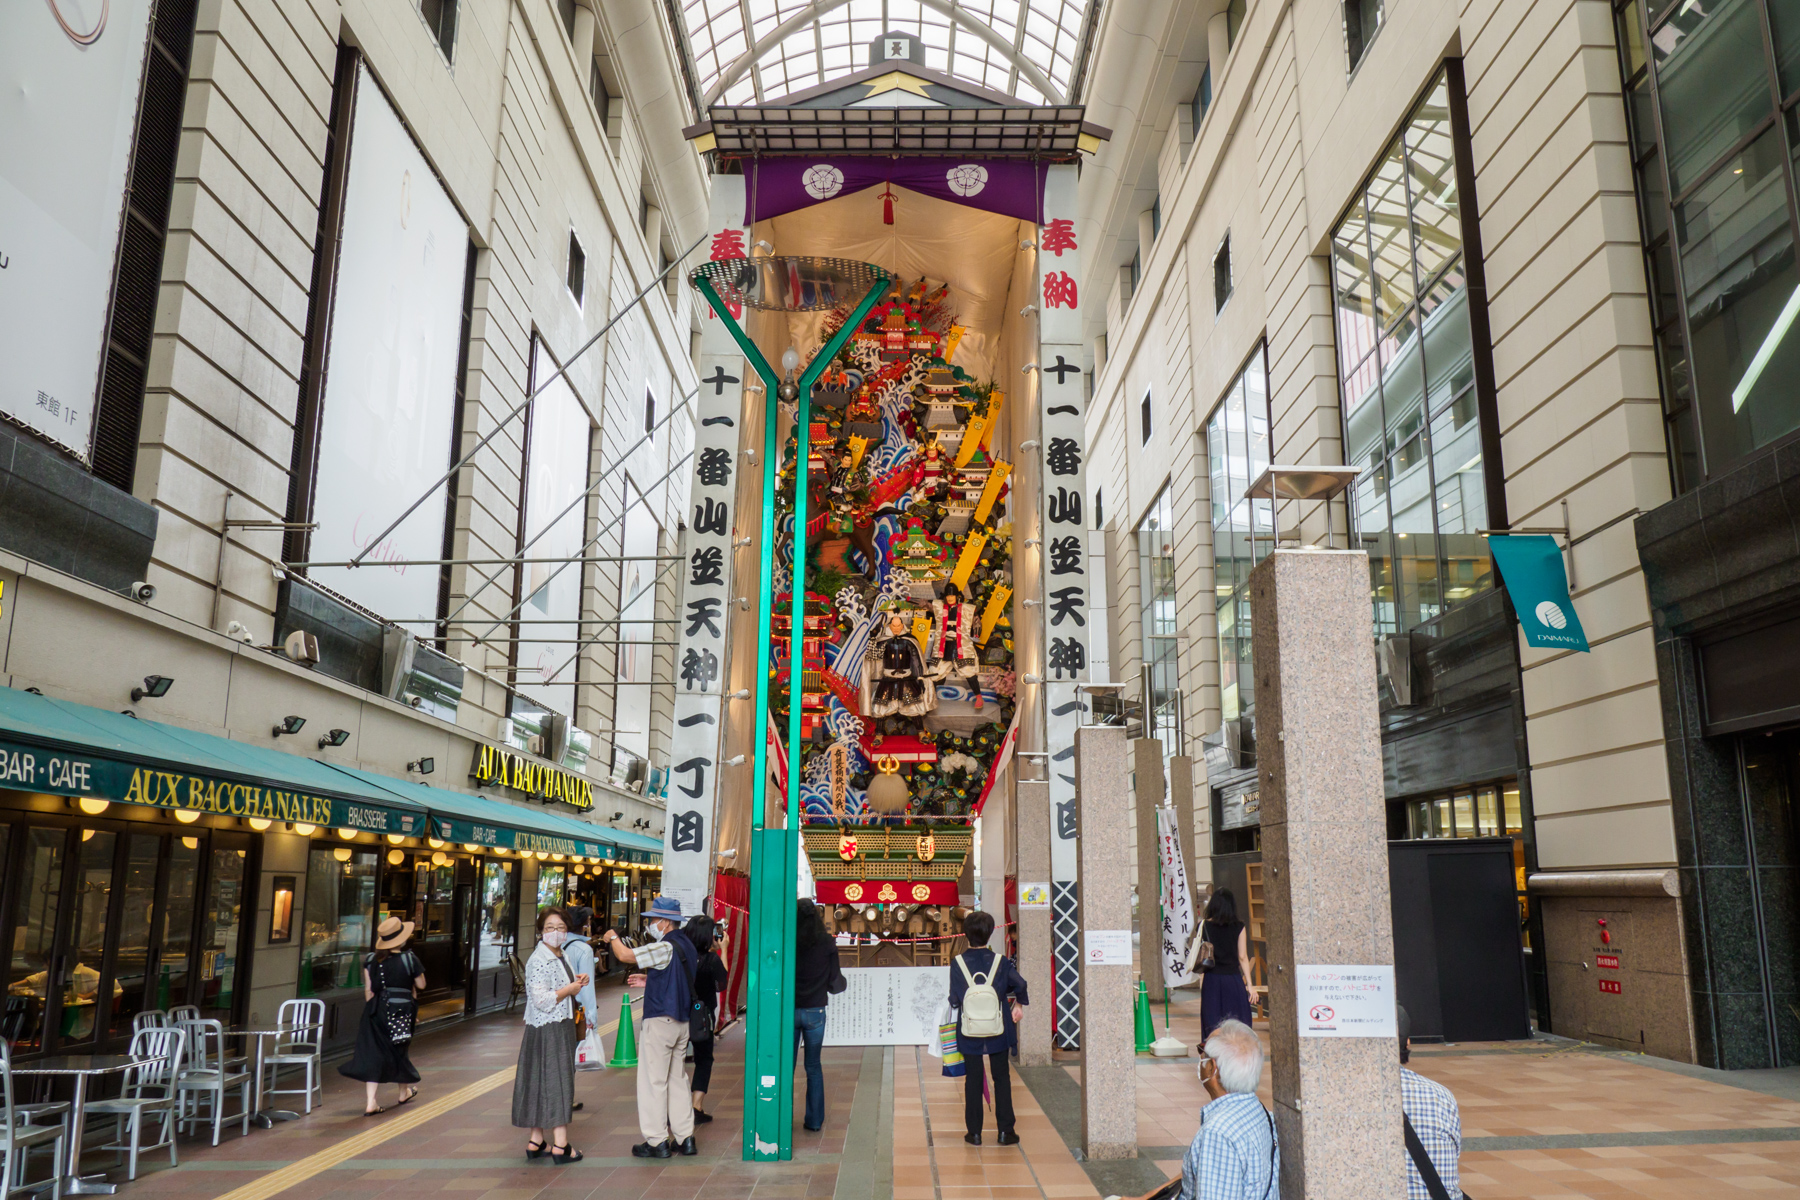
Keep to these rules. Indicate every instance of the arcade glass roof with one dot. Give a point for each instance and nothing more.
(749, 52)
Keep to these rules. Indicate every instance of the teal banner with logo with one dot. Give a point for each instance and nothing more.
(1532, 567)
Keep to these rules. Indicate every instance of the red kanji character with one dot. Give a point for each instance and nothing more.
(728, 243)
(1059, 235)
(1060, 290)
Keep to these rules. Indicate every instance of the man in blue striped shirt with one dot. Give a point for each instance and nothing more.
(1434, 1116)
(1235, 1155)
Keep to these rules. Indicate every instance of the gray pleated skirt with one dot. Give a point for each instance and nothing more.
(544, 1088)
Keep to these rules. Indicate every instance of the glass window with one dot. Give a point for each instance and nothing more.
(550, 886)
(173, 977)
(133, 952)
(1156, 587)
(1362, 19)
(1710, 101)
(219, 932)
(34, 933)
(341, 883)
(1237, 448)
(1406, 361)
(499, 921)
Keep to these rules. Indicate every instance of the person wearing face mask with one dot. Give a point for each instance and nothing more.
(544, 1088)
(666, 968)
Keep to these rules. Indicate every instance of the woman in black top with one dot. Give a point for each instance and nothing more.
(1225, 990)
(987, 966)
(709, 981)
(817, 975)
(392, 980)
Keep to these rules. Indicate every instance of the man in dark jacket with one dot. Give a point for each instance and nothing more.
(994, 968)
(666, 973)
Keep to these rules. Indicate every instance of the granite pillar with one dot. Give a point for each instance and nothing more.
(1108, 977)
(996, 831)
(1324, 837)
(1147, 789)
(1031, 829)
(1181, 794)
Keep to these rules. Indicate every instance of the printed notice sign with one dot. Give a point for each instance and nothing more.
(1034, 895)
(1106, 947)
(887, 1006)
(1345, 1001)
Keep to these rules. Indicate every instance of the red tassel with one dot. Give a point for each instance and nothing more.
(887, 206)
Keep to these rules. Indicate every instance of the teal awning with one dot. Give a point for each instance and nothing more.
(1532, 567)
(69, 749)
(481, 821)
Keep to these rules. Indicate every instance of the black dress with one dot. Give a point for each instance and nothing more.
(709, 978)
(380, 1055)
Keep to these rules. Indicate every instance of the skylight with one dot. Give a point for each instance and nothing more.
(830, 39)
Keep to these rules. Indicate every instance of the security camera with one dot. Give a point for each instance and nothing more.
(142, 592)
(240, 631)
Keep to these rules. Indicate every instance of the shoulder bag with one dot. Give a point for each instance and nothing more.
(700, 1013)
(1434, 1183)
(397, 1007)
(581, 1018)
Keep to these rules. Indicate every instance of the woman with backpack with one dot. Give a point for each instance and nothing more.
(990, 998)
(392, 979)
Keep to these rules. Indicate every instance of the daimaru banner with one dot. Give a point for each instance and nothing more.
(63, 773)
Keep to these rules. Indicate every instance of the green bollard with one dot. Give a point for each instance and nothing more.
(1145, 1026)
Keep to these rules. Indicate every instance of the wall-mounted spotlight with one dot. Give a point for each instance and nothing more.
(741, 694)
(1030, 678)
(741, 601)
(1034, 541)
(289, 724)
(1028, 368)
(1028, 310)
(336, 737)
(1030, 444)
(1028, 245)
(155, 687)
(616, 816)
(422, 766)
(743, 541)
(736, 760)
(1033, 603)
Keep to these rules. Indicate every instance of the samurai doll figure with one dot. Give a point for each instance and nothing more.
(952, 646)
(899, 673)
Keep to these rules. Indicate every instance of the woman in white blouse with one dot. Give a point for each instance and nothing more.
(544, 1088)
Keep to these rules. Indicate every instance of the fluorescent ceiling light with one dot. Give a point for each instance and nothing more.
(1766, 351)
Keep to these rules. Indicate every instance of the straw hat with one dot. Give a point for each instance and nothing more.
(392, 933)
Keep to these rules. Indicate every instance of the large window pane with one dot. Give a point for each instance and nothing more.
(340, 910)
(1784, 23)
(1156, 585)
(499, 923)
(1237, 438)
(178, 926)
(133, 953)
(220, 932)
(1737, 261)
(1390, 238)
(1711, 78)
(38, 893)
(1431, 158)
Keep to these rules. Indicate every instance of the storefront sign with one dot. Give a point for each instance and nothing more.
(502, 837)
(1532, 567)
(499, 766)
(887, 1006)
(33, 768)
(1338, 1000)
(1241, 810)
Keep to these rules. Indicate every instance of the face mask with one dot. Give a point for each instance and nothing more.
(554, 938)
(656, 931)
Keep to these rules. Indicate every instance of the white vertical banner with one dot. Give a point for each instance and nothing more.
(1177, 901)
(1061, 393)
(705, 583)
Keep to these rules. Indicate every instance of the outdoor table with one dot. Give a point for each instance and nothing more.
(260, 1034)
(81, 1067)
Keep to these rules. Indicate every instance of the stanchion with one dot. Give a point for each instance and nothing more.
(1145, 1026)
(625, 1041)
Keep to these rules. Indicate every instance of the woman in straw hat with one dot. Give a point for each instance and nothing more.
(392, 979)
(544, 1087)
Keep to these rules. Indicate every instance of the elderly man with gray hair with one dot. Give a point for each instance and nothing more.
(1235, 1155)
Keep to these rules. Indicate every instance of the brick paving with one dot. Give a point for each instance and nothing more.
(1542, 1119)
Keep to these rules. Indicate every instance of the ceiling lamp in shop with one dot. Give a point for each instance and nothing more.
(93, 806)
(186, 816)
(396, 857)
(305, 830)
(260, 823)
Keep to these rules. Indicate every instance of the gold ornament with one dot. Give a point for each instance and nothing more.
(921, 892)
(927, 847)
(888, 793)
(887, 894)
(847, 846)
(853, 892)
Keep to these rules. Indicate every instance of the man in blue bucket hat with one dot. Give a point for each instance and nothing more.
(666, 967)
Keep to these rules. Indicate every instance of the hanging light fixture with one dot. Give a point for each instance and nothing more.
(305, 830)
(93, 806)
(435, 843)
(192, 843)
(396, 839)
(396, 857)
(349, 835)
(187, 816)
(260, 823)
(439, 859)
(341, 853)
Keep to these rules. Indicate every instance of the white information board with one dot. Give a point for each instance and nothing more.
(1345, 1000)
(1106, 947)
(887, 1006)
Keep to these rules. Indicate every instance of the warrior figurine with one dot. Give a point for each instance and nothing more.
(900, 671)
(952, 645)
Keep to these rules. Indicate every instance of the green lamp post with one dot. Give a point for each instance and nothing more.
(783, 285)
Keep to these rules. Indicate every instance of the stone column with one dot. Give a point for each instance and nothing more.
(1031, 828)
(1147, 788)
(996, 831)
(1181, 794)
(1109, 990)
(1324, 837)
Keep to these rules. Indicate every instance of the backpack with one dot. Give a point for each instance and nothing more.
(981, 1003)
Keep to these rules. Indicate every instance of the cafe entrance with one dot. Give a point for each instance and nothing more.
(107, 912)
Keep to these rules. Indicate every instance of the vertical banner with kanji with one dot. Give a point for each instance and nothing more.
(1177, 901)
(705, 583)
(1062, 397)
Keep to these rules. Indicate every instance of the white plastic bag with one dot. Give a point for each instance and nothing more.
(590, 1052)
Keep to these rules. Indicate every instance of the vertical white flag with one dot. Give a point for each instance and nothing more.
(1177, 901)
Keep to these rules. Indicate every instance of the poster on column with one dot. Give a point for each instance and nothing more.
(705, 574)
(887, 1006)
(1062, 403)
(1177, 901)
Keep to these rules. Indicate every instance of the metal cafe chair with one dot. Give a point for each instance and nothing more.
(518, 980)
(302, 1023)
(151, 1018)
(149, 1091)
(210, 1075)
(18, 1139)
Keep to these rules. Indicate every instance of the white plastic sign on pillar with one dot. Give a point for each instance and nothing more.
(705, 583)
(1063, 401)
(1345, 1000)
